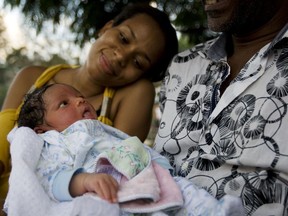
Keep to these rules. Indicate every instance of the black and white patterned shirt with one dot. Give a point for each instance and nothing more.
(235, 144)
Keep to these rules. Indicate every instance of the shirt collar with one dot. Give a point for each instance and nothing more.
(279, 39)
(216, 51)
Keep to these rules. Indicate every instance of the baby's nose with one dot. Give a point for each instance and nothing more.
(80, 100)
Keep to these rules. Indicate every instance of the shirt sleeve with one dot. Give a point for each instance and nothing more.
(60, 186)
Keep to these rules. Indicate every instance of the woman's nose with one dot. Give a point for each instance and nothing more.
(121, 56)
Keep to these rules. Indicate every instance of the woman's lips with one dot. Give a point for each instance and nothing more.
(106, 65)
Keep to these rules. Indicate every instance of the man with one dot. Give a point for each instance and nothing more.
(225, 102)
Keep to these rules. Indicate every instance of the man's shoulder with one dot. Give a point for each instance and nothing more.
(199, 50)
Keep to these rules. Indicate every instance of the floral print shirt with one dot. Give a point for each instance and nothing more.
(235, 144)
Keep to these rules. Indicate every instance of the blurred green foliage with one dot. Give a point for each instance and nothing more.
(88, 16)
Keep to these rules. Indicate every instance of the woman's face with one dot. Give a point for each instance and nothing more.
(123, 53)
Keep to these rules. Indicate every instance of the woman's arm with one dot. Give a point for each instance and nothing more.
(133, 114)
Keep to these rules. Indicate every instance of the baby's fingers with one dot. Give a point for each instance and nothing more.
(108, 188)
(114, 187)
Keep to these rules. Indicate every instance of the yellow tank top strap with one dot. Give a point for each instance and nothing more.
(109, 92)
(106, 106)
(49, 73)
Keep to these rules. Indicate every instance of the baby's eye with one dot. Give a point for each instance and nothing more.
(63, 104)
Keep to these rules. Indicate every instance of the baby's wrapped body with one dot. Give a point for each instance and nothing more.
(91, 146)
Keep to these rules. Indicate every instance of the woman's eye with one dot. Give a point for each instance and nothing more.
(123, 38)
(137, 64)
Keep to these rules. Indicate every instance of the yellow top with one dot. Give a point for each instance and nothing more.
(106, 106)
(8, 118)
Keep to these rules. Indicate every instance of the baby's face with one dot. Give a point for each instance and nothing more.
(65, 105)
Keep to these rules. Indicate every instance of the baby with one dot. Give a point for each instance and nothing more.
(51, 111)
(56, 107)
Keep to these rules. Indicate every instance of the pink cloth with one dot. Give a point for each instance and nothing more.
(151, 190)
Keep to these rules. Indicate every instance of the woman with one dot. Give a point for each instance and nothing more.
(131, 51)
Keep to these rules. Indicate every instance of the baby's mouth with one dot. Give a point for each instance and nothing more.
(86, 113)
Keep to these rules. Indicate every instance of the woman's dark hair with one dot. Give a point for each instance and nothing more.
(33, 109)
(157, 72)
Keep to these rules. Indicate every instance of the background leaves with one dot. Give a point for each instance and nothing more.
(88, 16)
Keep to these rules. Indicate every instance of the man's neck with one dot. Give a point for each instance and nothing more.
(241, 48)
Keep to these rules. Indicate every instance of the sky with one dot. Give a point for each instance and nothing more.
(19, 34)
(12, 21)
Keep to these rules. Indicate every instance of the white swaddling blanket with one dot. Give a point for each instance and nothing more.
(26, 196)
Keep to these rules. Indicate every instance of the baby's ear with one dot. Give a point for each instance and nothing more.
(39, 130)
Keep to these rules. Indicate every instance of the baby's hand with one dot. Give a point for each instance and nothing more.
(104, 185)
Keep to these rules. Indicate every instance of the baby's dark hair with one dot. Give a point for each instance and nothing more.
(157, 72)
(33, 109)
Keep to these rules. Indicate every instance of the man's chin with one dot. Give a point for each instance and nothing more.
(210, 2)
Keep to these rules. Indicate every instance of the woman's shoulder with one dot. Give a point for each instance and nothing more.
(141, 90)
(131, 108)
(140, 86)
(21, 83)
(32, 69)
(27, 76)
(30, 73)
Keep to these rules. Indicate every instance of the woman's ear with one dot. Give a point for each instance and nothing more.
(107, 26)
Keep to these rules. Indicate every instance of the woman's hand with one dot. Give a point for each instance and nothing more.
(104, 185)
